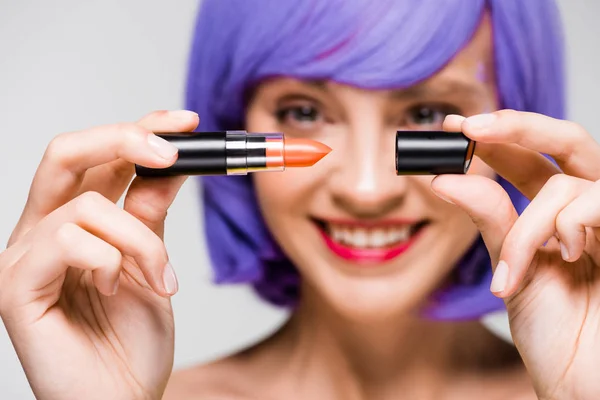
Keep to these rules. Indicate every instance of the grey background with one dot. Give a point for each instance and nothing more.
(67, 65)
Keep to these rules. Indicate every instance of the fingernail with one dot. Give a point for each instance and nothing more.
(500, 279)
(184, 115)
(115, 287)
(442, 197)
(161, 147)
(481, 121)
(455, 118)
(170, 280)
(564, 252)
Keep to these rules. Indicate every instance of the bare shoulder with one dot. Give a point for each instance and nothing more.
(219, 380)
(245, 375)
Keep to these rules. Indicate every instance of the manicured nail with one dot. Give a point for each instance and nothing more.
(454, 119)
(500, 279)
(481, 121)
(115, 287)
(161, 147)
(183, 115)
(442, 197)
(564, 252)
(170, 280)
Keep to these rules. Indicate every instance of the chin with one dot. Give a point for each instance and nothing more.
(393, 291)
(365, 299)
(373, 272)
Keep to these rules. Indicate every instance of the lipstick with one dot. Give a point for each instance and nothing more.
(236, 153)
(375, 255)
(433, 153)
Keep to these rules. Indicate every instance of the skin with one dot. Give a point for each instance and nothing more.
(365, 346)
(77, 337)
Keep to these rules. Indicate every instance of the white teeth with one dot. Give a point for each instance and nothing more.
(369, 237)
(360, 238)
(347, 236)
(378, 238)
(403, 234)
(390, 236)
(338, 235)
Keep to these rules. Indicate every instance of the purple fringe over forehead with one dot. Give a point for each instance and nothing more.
(379, 44)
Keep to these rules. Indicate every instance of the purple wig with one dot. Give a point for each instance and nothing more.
(379, 44)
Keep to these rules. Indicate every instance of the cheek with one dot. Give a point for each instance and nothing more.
(269, 191)
(287, 193)
(286, 200)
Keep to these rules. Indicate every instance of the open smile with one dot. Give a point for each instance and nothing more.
(370, 242)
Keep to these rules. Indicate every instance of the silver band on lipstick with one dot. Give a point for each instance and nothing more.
(250, 152)
(235, 150)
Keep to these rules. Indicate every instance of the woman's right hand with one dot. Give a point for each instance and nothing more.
(84, 284)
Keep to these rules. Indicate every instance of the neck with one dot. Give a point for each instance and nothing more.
(385, 353)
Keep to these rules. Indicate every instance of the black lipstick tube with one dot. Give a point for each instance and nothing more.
(221, 153)
(433, 153)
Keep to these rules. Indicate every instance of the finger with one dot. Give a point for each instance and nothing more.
(61, 172)
(535, 226)
(453, 123)
(115, 226)
(525, 169)
(571, 223)
(113, 178)
(574, 150)
(149, 199)
(40, 272)
(70, 246)
(170, 121)
(486, 203)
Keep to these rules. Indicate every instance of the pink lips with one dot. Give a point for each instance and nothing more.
(367, 256)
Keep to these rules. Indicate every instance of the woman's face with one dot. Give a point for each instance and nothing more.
(368, 242)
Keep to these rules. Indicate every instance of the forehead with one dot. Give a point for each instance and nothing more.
(470, 71)
(475, 60)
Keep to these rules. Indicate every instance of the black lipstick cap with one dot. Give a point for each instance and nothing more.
(433, 153)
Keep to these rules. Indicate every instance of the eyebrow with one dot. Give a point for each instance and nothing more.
(317, 84)
(441, 89)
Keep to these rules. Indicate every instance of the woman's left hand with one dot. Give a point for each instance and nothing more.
(547, 261)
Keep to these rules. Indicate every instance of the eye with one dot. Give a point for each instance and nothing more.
(301, 116)
(428, 117)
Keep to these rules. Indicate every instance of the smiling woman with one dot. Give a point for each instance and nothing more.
(360, 254)
(355, 229)
(457, 66)
(386, 276)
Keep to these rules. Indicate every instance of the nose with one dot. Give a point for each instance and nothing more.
(365, 184)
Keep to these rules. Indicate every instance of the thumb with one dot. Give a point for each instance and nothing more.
(148, 199)
(485, 201)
